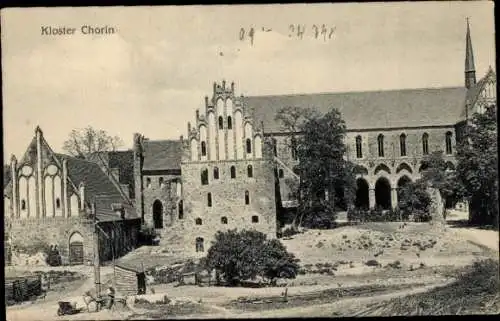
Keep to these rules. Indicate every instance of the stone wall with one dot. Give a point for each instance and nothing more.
(166, 193)
(52, 230)
(228, 199)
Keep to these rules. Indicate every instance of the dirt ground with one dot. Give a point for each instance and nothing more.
(427, 256)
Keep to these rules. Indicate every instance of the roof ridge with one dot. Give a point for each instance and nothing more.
(356, 92)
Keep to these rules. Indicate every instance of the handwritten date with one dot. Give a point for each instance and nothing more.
(298, 31)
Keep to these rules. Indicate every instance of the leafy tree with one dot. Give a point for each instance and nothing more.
(477, 168)
(322, 166)
(437, 175)
(243, 255)
(415, 199)
(83, 142)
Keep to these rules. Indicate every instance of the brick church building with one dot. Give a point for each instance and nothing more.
(230, 170)
(231, 167)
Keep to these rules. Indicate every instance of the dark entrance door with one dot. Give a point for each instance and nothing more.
(76, 253)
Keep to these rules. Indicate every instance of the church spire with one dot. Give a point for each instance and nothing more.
(470, 69)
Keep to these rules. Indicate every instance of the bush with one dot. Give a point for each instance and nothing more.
(244, 255)
(376, 215)
(320, 218)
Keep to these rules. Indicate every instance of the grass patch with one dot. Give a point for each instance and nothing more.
(161, 310)
(474, 292)
(320, 297)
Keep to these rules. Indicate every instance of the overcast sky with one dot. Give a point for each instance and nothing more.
(153, 73)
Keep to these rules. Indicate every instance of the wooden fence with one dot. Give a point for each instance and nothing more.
(23, 288)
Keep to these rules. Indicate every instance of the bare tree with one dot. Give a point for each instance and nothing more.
(83, 142)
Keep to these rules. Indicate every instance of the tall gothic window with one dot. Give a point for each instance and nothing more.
(380, 145)
(221, 122)
(449, 149)
(204, 177)
(209, 199)
(250, 171)
(425, 144)
(229, 122)
(249, 146)
(203, 149)
(359, 147)
(247, 198)
(160, 181)
(402, 144)
(233, 172)
(281, 174)
(275, 147)
(216, 173)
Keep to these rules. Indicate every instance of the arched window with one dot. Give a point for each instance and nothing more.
(250, 171)
(281, 174)
(449, 148)
(160, 181)
(209, 199)
(359, 147)
(425, 143)
(249, 146)
(23, 205)
(223, 220)
(203, 149)
(221, 122)
(255, 219)
(198, 221)
(181, 209)
(247, 198)
(233, 172)
(402, 144)
(199, 244)
(148, 182)
(275, 147)
(58, 203)
(204, 177)
(294, 148)
(216, 173)
(380, 145)
(229, 122)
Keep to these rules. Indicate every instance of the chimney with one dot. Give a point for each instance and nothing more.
(189, 128)
(198, 113)
(232, 87)
(206, 101)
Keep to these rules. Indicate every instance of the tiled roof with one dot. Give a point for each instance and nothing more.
(97, 185)
(371, 109)
(162, 154)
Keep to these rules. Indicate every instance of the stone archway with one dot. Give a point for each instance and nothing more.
(383, 193)
(158, 214)
(362, 194)
(76, 249)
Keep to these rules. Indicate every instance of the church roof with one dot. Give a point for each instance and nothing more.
(162, 154)
(98, 185)
(370, 109)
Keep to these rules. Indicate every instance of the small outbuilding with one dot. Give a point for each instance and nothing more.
(130, 281)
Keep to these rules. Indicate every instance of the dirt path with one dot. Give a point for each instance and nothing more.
(47, 309)
(486, 238)
(342, 307)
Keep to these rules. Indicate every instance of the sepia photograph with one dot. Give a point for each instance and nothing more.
(250, 161)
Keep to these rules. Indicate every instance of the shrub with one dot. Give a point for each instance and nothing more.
(322, 218)
(243, 255)
(289, 232)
